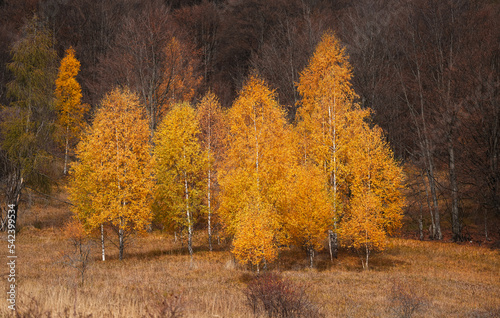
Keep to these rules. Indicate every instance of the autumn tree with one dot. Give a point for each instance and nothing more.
(68, 101)
(327, 101)
(258, 155)
(212, 131)
(112, 180)
(29, 119)
(335, 137)
(179, 167)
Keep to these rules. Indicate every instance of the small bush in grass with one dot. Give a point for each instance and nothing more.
(79, 257)
(404, 299)
(275, 296)
(171, 306)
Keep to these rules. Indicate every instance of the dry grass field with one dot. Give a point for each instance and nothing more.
(441, 279)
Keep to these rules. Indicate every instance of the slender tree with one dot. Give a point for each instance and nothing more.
(253, 174)
(374, 182)
(112, 181)
(68, 102)
(327, 101)
(179, 167)
(211, 119)
(361, 176)
(28, 128)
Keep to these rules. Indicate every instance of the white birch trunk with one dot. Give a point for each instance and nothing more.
(102, 243)
(65, 171)
(188, 216)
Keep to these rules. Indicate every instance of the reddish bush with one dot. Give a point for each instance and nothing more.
(275, 296)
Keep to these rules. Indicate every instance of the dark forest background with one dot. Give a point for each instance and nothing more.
(430, 70)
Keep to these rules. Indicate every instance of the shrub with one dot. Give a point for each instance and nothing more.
(275, 296)
(172, 306)
(404, 299)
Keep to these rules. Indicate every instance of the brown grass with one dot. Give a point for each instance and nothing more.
(450, 280)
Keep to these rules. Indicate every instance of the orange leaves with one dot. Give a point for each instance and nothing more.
(179, 164)
(332, 172)
(253, 176)
(68, 102)
(113, 179)
(363, 179)
(68, 94)
(308, 215)
(255, 239)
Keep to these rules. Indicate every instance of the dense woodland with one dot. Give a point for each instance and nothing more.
(419, 80)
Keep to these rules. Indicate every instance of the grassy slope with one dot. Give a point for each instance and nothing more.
(451, 280)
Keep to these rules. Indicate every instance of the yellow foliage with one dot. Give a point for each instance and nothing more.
(258, 156)
(308, 216)
(364, 181)
(362, 228)
(327, 104)
(255, 238)
(212, 132)
(112, 180)
(179, 167)
(68, 96)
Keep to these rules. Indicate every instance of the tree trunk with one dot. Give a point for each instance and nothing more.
(121, 242)
(188, 216)
(102, 243)
(432, 230)
(209, 211)
(311, 256)
(456, 223)
(421, 224)
(65, 171)
(15, 186)
(332, 244)
(437, 235)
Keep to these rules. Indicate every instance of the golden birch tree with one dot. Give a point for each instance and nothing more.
(68, 102)
(327, 99)
(179, 165)
(212, 131)
(258, 155)
(362, 178)
(112, 180)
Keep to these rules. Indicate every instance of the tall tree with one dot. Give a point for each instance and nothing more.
(361, 176)
(68, 102)
(212, 131)
(27, 131)
(112, 181)
(179, 166)
(253, 175)
(328, 99)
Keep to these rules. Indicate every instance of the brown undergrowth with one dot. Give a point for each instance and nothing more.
(157, 277)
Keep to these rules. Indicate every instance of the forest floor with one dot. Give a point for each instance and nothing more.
(437, 279)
